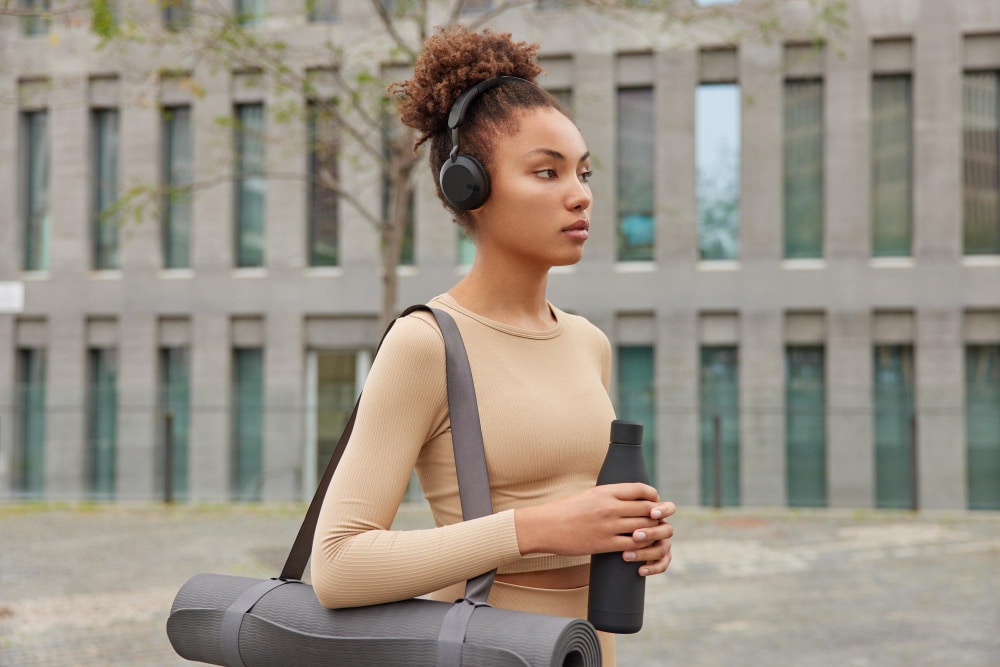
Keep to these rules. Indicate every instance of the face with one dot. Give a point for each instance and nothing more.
(538, 211)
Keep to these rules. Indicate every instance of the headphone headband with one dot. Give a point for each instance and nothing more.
(457, 115)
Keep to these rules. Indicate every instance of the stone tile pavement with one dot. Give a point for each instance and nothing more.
(92, 585)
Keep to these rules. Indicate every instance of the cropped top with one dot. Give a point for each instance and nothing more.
(545, 414)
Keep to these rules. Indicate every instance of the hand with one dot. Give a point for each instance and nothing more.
(653, 545)
(601, 519)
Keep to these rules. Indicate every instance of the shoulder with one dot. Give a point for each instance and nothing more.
(583, 330)
(413, 339)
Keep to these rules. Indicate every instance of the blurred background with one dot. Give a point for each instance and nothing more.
(209, 212)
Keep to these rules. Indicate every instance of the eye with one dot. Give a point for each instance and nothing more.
(546, 173)
(585, 176)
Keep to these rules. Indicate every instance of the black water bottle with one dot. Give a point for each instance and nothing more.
(617, 592)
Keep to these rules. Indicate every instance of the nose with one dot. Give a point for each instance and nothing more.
(579, 197)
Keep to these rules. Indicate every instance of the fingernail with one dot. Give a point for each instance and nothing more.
(629, 555)
(644, 571)
(657, 513)
(641, 535)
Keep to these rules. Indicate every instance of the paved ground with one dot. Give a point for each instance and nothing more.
(92, 585)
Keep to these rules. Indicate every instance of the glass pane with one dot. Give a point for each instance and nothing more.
(805, 427)
(982, 425)
(251, 185)
(105, 187)
(391, 127)
(720, 425)
(892, 160)
(323, 170)
(29, 466)
(322, 10)
(176, 14)
(36, 23)
(249, 12)
(248, 423)
(636, 225)
(894, 393)
(717, 156)
(103, 422)
(565, 98)
(335, 396)
(981, 162)
(36, 223)
(466, 249)
(803, 169)
(178, 175)
(636, 397)
(175, 402)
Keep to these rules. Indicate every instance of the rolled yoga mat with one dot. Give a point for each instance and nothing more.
(289, 627)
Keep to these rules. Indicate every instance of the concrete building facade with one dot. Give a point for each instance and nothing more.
(932, 303)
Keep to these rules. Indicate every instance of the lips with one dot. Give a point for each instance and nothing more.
(578, 225)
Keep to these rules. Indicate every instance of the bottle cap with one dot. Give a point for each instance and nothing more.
(629, 433)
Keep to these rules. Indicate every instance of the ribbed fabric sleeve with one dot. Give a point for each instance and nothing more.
(545, 415)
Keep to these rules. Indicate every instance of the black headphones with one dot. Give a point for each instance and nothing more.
(464, 181)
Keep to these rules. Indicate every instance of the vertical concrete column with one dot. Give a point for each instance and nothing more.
(846, 147)
(140, 166)
(284, 370)
(210, 456)
(12, 186)
(676, 202)
(595, 113)
(937, 151)
(762, 409)
(8, 402)
(137, 394)
(286, 226)
(940, 411)
(212, 231)
(760, 76)
(69, 175)
(66, 458)
(851, 444)
(677, 462)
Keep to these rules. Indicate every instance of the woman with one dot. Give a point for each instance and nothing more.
(541, 376)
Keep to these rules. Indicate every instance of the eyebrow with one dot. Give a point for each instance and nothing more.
(556, 155)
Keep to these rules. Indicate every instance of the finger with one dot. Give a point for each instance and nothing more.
(661, 531)
(663, 510)
(657, 567)
(651, 554)
(634, 491)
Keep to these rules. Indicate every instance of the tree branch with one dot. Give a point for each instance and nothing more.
(390, 27)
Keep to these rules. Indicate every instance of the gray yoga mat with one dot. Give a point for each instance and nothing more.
(404, 633)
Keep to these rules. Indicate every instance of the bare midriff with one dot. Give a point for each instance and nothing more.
(566, 577)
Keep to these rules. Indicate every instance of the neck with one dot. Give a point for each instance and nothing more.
(510, 294)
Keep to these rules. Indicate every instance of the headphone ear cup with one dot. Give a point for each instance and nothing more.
(464, 182)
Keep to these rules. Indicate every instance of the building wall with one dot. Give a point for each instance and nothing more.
(846, 301)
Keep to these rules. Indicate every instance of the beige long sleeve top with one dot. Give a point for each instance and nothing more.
(545, 415)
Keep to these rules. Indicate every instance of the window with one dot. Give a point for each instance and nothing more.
(36, 226)
(982, 425)
(564, 96)
(805, 427)
(175, 406)
(102, 422)
(477, 6)
(177, 175)
(803, 186)
(894, 421)
(248, 423)
(636, 397)
(338, 387)
(636, 222)
(323, 173)
(466, 248)
(981, 162)
(720, 426)
(323, 10)
(249, 12)
(177, 14)
(717, 157)
(40, 18)
(391, 129)
(29, 461)
(892, 166)
(104, 130)
(251, 185)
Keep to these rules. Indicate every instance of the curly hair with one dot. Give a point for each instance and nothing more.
(453, 60)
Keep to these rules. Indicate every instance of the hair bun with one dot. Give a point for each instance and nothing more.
(453, 60)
